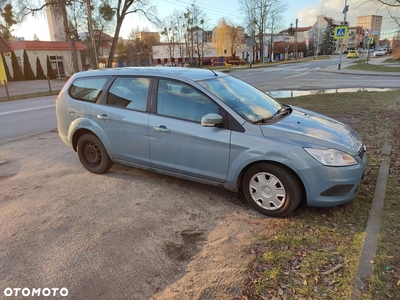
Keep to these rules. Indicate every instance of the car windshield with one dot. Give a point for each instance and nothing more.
(250, 103)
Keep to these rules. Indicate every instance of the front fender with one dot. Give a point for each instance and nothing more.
(246, 151)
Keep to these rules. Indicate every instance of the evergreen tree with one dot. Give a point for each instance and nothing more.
(50, 72)
(9, 77)
(18, 75)
(39, 70)
(28, 68)
(328, 41)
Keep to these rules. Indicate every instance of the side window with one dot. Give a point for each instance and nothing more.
(87, 89)
(129, 92)
(179, 100)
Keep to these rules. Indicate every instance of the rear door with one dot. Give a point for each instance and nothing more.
(178, 142)
(124, 118)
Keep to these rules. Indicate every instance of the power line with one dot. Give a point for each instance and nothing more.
(216, 11)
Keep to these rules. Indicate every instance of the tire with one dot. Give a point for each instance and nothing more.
(271, 189)
(93, 155)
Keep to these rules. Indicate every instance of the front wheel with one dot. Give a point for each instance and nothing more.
(93, 155)
(272, 189)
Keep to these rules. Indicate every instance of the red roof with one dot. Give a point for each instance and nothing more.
(298, 29)
(43, 45)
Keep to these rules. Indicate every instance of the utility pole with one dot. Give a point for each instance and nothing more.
(346, 8)
(272, 40)
(295, 40)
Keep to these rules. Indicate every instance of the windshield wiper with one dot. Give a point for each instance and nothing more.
(284, 110)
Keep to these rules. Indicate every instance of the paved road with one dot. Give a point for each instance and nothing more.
(315, 75)
(26, 117)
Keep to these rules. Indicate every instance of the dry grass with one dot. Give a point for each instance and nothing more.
(295, 258)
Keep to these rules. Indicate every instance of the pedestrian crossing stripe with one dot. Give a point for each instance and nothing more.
(340, 32)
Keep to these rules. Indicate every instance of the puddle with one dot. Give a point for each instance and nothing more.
(291, 94)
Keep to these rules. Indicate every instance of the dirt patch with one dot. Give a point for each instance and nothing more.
(219, 269)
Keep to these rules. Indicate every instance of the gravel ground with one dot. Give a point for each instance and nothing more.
(128, 234)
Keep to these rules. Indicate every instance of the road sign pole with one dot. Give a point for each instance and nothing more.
(346, 8)
(368, 45)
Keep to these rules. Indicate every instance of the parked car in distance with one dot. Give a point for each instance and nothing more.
(352, 54)
(379, 52)
(212, 128)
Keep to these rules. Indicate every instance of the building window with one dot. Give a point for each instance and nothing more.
(57, 63)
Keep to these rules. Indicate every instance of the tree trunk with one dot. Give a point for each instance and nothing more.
(71, 42)
(114, 42)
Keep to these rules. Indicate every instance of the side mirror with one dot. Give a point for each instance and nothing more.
(210, 120)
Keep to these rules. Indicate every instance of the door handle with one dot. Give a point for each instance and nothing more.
(161, 128)
(103, 117)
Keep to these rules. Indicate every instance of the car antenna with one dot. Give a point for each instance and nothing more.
(213, 72)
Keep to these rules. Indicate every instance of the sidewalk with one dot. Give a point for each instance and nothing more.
(16, 88)
(372, 60)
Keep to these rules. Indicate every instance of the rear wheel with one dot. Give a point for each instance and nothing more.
(93, 155)
(272, 189)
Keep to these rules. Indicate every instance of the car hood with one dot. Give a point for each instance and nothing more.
(312, 129)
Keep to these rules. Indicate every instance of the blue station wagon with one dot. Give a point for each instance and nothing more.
(211, 128)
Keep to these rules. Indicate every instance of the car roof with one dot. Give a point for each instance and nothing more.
(193, 74)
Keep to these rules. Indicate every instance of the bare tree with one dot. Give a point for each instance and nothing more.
(195, 21)
(261, 17)
(122, 8)
(170, 33)
(390, 4)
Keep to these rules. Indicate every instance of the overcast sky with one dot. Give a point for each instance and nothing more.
(306, 11)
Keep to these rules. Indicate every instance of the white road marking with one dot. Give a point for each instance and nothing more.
(25, 110)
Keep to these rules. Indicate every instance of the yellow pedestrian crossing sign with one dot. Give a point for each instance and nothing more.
(340, 32)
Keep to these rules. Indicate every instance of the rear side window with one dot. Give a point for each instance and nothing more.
(87, 89)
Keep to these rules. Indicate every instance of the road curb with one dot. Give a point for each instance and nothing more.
(365, 73)
(370, 243)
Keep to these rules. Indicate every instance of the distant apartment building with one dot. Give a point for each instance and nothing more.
(355, 38)
(372, 23)
(145, 35)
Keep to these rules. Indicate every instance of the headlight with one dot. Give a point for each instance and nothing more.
(332, 157)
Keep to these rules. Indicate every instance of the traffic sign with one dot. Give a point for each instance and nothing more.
(370, 40)
(340, 32)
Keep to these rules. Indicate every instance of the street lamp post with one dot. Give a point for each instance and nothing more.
(367, 44)
(322, 5)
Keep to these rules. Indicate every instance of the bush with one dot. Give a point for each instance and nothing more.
(39, 70)
(18, 75)
(28, 68)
